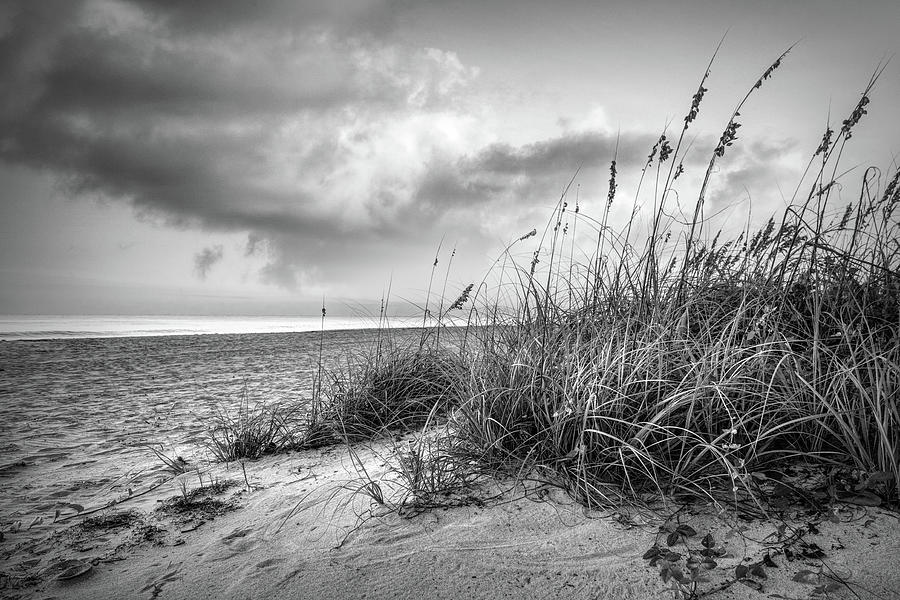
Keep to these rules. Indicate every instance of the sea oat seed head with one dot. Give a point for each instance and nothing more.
(855, 116)
(463, 297)
(612, 184)
(728, 137)
(826, 142)
(665, 150)
(695, 106)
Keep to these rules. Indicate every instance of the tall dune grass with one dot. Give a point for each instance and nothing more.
(684, 363)
(689, 364)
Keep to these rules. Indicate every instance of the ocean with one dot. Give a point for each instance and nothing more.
(27, 327)
(79, 415)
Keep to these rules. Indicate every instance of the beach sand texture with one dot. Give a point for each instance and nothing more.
(75, 414)
(539, 545)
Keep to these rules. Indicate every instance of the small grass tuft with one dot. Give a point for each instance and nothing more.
(252, 431)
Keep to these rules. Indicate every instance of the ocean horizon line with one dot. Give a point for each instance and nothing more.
(50, 327)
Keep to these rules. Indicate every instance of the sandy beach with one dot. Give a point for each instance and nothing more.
(299, 532)
(77, 415)
(90, 512)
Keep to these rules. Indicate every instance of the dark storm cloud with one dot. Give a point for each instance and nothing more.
(346, 16)
(110, 73)
(172, 106)
(215, 115)
(535, 173)
(559, 155)
(302, 125)
(205, 259)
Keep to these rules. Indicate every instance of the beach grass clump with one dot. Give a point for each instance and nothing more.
(250, 431)
(714, 377)
(430, 470)
(397, 389)
(422, 471)
(688, 364)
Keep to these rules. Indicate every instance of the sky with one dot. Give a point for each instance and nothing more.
(227, 157)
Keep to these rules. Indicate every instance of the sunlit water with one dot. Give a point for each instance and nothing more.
(18, 327)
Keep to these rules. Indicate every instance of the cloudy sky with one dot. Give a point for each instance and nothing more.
(229, 157)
